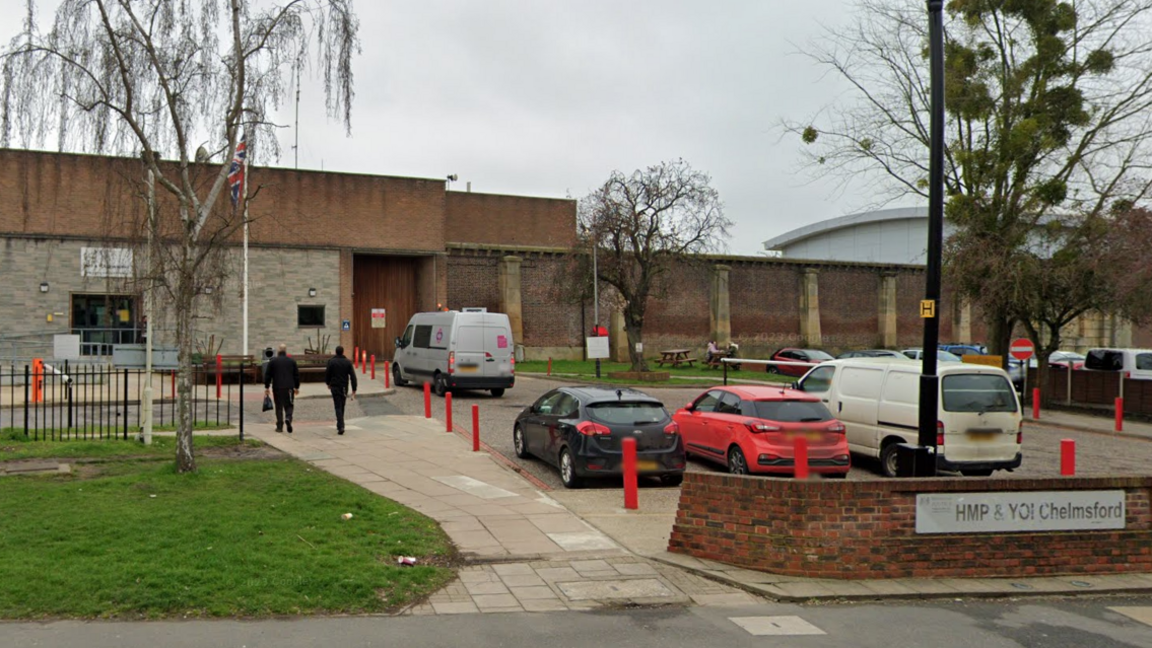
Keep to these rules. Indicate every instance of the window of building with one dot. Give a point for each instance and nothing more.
(310, 316)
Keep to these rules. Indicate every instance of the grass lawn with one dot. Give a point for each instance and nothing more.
(14, 445)
(586, 370)
(239, 538)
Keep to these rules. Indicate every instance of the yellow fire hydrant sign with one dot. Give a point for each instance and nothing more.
(927, 308)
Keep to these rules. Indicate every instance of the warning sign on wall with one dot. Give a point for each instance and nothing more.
(378, 318)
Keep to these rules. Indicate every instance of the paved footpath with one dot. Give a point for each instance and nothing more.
(526, 551)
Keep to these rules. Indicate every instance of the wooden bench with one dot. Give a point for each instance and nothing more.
(230, 365)
(312, 366)
(716, 362)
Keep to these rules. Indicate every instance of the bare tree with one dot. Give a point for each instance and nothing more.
(643, 225)
(161, 79)
(1049, 117)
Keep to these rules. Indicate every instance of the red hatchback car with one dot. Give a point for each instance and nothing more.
(752, 429)
(808, 356)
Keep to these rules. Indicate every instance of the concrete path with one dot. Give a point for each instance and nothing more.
(528, 552)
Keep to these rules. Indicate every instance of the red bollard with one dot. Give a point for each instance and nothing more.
(219, 376)
(363, 362)
(630, 496)
(800, 457)
(448, 410)
(356, 357)
(549, 366)
(475, 428)
(387, 374)
(1036, 403)
(427, 400)
(1119, 414)
(373, 366)
(1067, 457)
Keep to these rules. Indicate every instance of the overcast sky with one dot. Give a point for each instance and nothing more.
(546, 98)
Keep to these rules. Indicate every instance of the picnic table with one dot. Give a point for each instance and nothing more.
(716, 361)
(676, 358)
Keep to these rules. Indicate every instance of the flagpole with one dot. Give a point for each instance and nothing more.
(244, 197)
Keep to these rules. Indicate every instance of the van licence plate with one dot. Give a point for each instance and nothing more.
(468, 368)
(983, 435)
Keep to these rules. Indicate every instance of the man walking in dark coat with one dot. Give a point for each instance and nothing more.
(337, 375)
(283, 376)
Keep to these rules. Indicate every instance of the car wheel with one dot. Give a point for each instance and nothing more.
(519, 443)
(568, 470)
(396, 377)
(440, 385)
(888, 460)
(773, 369)
(737, 464)
(672, 480)
(984, 472)
(497, 392)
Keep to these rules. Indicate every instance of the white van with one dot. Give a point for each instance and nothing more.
(453, 349)
(878, 401)
(1135, 363)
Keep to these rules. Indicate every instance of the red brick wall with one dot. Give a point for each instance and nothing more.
(79, 195)
(867, 529)
(681, 319)
(510, 220)
(764, 299)
(849, 307)
(551, 316)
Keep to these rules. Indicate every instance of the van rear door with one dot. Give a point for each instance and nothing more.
(981, 417)
(497, 347)
(469, 350)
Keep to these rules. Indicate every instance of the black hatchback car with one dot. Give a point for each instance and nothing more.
(579, 430)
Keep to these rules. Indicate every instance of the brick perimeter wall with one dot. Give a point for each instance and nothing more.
(867, 529)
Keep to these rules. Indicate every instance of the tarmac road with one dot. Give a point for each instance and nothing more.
(1097, 454)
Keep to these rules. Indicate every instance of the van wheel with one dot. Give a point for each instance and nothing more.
(568, 470)
(396, 377)
(737, 464)
(440, 385)
(497, 392)
(519, 443)
(985, 472)
(888, 460)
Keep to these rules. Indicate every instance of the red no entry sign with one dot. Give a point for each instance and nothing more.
(1021, 349)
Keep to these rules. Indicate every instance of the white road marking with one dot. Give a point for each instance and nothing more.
(776, 625)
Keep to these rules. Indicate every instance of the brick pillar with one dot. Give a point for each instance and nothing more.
(810, 309)
(887, 314)
(721, 314)
(618, 339)
(961, 322)
(510, 295)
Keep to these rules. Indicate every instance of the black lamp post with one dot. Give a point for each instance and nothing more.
(929, 381)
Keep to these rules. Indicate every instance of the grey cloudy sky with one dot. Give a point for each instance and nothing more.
(547, 98)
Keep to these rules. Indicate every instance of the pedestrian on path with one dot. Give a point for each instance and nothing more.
(283, 376)
(337, 375)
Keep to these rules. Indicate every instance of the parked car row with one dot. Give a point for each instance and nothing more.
(748, 429)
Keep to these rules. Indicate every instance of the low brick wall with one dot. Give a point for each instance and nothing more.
(867, 529)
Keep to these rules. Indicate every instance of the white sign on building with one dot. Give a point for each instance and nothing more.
(1025, 511)
(105, 262)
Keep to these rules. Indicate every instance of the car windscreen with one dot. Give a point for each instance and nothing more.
(627, 413)
(978, 393)
(791, 411)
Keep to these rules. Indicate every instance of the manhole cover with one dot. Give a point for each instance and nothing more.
(1081, 584)
(615, 589)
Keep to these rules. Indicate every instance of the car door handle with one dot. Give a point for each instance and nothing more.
(839, 407)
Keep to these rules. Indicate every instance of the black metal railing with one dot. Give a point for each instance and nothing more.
(80, 402)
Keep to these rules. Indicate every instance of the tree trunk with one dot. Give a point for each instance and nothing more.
(184, 316)
(999, 335)
(633, 327)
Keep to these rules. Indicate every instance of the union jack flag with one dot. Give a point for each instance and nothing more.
(238, 168)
